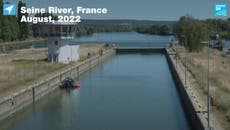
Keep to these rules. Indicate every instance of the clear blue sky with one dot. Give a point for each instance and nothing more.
(139, 9)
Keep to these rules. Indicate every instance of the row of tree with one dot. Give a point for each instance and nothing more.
(221, 26)
(11, 28)
(155, 30)
(195, 31)
(191, 32)
(88, 29)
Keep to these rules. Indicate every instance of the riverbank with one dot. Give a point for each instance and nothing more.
(17, 67)
(197, 76)
(20, 97)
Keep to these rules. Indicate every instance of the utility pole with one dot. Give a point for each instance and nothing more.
(71, 60)
(36, 70)
(176, 55)
(185, 73)
(208, 83)
(185, 66)
(35, 66)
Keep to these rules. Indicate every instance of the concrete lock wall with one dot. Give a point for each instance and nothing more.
(194, 119)
(13, 103)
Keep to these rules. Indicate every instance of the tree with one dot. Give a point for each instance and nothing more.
(164, 30)
(14, 28)
(154, 29)
(5, 26)
(194, 30)
(219, 26)
(8, 26)
(23, 26)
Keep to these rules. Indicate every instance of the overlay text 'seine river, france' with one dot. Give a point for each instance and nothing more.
(127, 92)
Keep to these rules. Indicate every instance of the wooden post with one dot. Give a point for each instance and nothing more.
(60, 77)
(12, 101)
(48, 84)
(33, 93)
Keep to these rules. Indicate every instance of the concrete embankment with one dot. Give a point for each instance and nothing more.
(15, 102)
(189, 106)
(195, 109)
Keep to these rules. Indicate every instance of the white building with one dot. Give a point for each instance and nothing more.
(60, 48)
(63, 52)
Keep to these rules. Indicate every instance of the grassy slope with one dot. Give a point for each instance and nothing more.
(220, 80)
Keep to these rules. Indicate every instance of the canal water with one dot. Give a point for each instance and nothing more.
(127, 92)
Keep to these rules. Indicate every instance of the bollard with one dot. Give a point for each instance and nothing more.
(12, 101)
(212, 101)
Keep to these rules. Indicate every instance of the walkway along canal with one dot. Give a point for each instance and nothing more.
(128, 92)
(196, 109)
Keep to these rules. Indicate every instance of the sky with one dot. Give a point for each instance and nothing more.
(169, 10)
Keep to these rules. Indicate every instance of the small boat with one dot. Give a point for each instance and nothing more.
(67, 83)
(78, 85)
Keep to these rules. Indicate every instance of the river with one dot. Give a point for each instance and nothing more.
(127, 39)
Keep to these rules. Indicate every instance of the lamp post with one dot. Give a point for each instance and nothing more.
(185, 71)
(36, 64)
(176, 54)
(212, 37)
(208, 87)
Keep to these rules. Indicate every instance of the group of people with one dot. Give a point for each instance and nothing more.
(100, 53)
